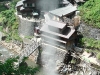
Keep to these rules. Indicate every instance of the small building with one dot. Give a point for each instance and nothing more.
(59, 28)
(27, 8)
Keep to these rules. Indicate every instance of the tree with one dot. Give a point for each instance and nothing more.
(8, 68)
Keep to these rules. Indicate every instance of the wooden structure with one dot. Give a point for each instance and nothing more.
(59, 27)
(26, 8)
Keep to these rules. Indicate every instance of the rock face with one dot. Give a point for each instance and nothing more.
(26, 27)
(89, 31)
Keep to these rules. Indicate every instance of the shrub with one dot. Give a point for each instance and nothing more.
(90, 12)
(91, 43)
(98, 56)
(9, 21)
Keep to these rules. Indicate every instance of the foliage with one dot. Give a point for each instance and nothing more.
(96, 52)
(10, 23)
(29, 37)
(90, 12)
(13, 3)
(2, 7)
(98, 56)
(87, 50)
(91, 43)
(4, 0)
(1, 28)
(8, 68)
(9, 17)
(73, 61)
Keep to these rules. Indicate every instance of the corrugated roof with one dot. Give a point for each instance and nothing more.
(63, 11)
(19, 3)
(56, 24)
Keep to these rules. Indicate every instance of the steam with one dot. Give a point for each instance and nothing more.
(48, 54)
(47, 5)
(49, 58)
(49, 61)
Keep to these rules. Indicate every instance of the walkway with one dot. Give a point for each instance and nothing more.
(29, 49)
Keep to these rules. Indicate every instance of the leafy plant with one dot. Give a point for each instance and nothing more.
(98, 56)
(8, 68)
(9, 22)
(2, 7)
(91, 43)
(90, 12)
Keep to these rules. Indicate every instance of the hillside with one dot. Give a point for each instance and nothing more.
(90, 12)
(8, 21)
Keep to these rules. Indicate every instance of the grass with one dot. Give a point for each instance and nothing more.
(96, 52)
(91, 43)
(90, 13)
(9, 21)
(98, 56)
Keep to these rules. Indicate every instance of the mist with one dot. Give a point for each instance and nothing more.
(47, 5)
(48, 54)
(49, 58)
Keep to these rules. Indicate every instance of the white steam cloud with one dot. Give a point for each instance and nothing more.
(47, 5)
(49, 61)
(48, 54)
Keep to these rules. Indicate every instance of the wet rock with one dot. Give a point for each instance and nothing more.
(89, 31)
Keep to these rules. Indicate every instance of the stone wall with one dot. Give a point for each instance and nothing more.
(26, 27)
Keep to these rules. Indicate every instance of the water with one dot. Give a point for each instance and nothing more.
(4, 53)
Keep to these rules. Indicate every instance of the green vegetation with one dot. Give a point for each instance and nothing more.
(98, 56)
(9, 23)
(9, 68)
(96, 52)
(90, 12)
(29, 37)
(73, 61)
(4, 0)
(91, 43)
(2, 7)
